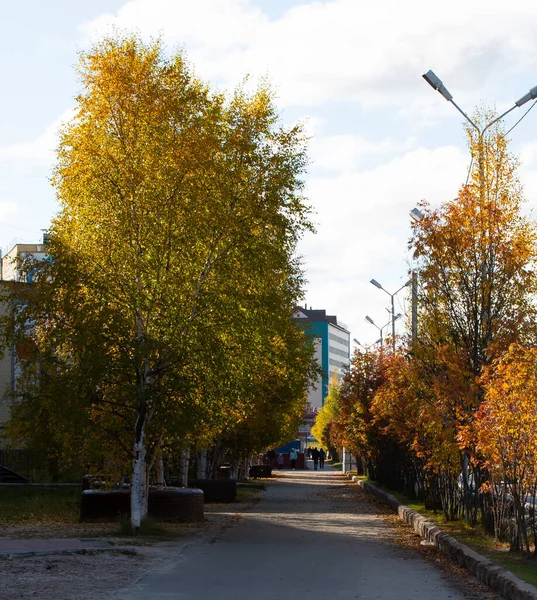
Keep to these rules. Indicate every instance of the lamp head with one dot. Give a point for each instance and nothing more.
(369, 320)
(416, 214)
(529, 96)
(437, 84)
(376, 283)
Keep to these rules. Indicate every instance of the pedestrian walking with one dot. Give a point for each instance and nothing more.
(280, 461)
(322, 456)
(315, 456)
(293, 457)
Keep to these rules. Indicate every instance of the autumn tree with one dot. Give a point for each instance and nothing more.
(476, 261)
(476, 258)
(412, 406)
(324, 421)
(506, 426)
(355, 426)
(172, 257)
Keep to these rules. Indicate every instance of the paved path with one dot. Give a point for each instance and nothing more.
(311, 538)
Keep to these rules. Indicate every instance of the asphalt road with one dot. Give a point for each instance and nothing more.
(313, 535)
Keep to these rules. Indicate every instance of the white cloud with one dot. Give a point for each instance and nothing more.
(364, 226)
(345, 152)
(7, 209)
(528, 155)
(372, 54)
(39, 150)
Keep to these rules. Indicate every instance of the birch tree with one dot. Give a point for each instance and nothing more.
(172, 256)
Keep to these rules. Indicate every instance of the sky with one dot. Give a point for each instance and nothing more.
(381, 138)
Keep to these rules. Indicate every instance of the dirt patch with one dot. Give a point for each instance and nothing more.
(70, 576)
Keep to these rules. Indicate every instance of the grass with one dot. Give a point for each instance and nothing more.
(150, 530)
(31, 505)
(475, 538)
(42, 505)
(249, 491)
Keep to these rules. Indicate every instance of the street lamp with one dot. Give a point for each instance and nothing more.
(437, 84)
(392, 320)
(416, 215)
(377, 284)
(367, 348)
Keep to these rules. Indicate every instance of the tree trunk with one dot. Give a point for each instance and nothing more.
(185, 461)
(235, 471)
(138, 481)
(160, 472)
(202, 465)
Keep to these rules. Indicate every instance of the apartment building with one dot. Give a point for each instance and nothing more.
(13, 260)
(11, 270)
(332, 348)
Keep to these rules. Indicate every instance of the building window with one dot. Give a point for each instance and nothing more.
(337, 363)
(337, 338)
(338, 352)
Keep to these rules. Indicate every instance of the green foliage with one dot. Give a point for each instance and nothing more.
(163, 314)
(328, 413)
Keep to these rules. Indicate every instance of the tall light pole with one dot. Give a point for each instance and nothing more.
(392, 320)
(367, 348)
(437, 84)
(392, 296)
(416, 215)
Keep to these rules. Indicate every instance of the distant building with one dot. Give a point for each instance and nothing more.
(332, 348)
(12, 261)
(6, 377)
(11, 264)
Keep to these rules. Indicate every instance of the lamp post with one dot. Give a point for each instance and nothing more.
(367, 348)
(377, 284)
(392, 320)
(437, 84)
(416, 215)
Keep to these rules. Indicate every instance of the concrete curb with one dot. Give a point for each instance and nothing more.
(488, 572)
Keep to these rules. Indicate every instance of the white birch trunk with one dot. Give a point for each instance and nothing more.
(185, 461)
(145, 498)
(138, 483)
(235, 471)
(202, 465)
